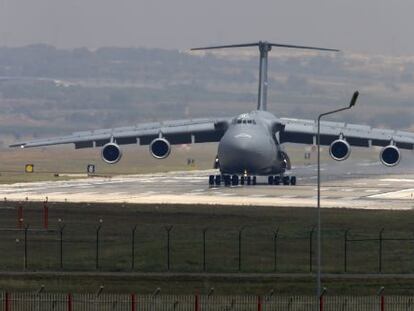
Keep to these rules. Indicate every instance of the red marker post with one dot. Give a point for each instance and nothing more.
(69, 302)
(7, 302)
(259, 303)
(197, 302)
(133, 302)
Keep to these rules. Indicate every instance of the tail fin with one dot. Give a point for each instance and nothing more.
(264, 48)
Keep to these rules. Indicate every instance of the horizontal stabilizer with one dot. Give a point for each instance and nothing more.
(260, 43)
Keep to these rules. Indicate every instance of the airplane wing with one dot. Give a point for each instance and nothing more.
(305, 131)
(176, 132)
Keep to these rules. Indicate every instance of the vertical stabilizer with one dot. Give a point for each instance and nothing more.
(264, 48)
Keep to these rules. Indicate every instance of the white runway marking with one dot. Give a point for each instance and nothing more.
(400, 194)
(198, 190)
(192, 188)
(147, 193)
(398, 180)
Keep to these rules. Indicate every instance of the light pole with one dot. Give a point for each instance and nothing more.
(318, 141)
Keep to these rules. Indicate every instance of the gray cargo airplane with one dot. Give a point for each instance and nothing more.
(250, 144)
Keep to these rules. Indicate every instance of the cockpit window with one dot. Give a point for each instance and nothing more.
(243, 120)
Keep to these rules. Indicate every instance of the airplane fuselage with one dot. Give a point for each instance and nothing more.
(250, 146)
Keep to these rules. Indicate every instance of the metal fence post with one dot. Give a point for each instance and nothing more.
(20, 216)
(240, 247)
(98, 230)
(275, 236)
(168, 230)
(45, 216)
(61, 228)
(133, 248)
(380, 251)
(26, 254)
(204, 250)
(346, 250)
(311, 248)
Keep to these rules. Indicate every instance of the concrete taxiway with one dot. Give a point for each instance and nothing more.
(365, 185)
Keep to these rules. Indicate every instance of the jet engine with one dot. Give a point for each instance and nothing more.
(390, 155)
(160, 148)
(111, 153)
(286, 160)
(340, 150)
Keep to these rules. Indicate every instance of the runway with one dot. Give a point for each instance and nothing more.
(345, 185)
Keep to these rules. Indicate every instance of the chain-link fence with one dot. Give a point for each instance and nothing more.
(181, 248)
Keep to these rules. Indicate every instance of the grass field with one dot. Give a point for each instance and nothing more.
(136, 160)
(222, 247)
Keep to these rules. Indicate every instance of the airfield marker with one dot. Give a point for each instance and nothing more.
(133, 302)
(7, 301)
(259, 303)
(69, 298)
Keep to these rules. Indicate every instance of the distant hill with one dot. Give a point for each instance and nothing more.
(46, 91)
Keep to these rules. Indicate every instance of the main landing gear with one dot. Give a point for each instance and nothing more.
(235, 180)
(231, 180)
(284, 180)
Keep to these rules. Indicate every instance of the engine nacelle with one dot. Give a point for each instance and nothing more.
(111, 153)
(390, 156)
(160, 148)
(286, 160)
(340, 150)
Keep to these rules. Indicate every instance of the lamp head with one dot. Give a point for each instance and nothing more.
(354, 99)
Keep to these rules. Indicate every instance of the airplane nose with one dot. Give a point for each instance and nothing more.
(242, 152)
(243, 145)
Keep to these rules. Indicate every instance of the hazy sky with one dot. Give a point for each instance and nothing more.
(374, 26)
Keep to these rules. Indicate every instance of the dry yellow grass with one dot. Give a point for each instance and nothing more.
(136, 160)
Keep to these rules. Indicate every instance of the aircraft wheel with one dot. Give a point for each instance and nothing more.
(211, 180)
(254, 181)
(249, 180)
(235, 180)
(293, 180)
(242, 180)
(227, 180)
(276, 180)
(286, 180)
(270, 180)
(217, 180)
